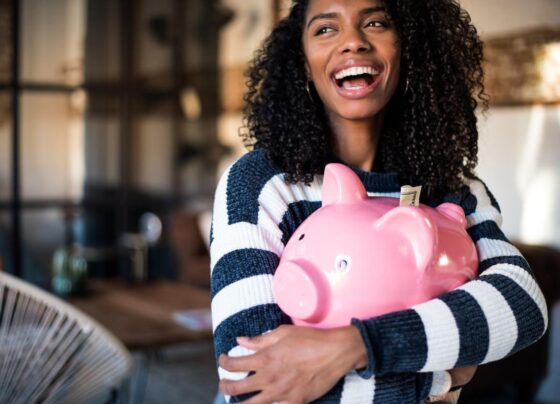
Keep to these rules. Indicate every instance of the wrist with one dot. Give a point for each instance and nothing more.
(355, 347)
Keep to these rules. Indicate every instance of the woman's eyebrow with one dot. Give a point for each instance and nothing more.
(321, 16)
(371, 10)
(365, 11)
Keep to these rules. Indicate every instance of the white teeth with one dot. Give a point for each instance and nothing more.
(355, 71)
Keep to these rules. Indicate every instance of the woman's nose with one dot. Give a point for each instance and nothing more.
(354, 40)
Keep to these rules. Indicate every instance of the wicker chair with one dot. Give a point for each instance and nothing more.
(52, 353)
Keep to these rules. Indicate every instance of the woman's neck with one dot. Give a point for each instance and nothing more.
(355, 141)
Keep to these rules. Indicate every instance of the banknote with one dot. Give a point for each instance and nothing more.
(410, 196)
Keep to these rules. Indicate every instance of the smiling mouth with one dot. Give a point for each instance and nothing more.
(356, 78)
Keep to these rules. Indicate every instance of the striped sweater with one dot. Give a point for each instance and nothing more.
(489, 318)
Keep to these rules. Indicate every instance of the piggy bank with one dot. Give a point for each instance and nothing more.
(360, 257)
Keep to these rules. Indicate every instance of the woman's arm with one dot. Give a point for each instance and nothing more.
(244, 255)
(499, 313)
(496, 315)
(254, 214)
(296, 364)
(250, 222)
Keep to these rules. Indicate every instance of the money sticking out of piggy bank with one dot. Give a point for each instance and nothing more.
(360, 257)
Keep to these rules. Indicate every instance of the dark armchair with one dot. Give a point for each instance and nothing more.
(516, 379)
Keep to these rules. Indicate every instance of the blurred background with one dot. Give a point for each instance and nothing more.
(111, 109)
(117, 117)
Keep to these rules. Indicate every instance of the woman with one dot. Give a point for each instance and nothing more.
(389, 88)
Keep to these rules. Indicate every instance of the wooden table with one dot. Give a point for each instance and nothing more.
(140, 315)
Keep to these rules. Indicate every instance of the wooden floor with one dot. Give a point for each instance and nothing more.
(141, 317)
(180, 375)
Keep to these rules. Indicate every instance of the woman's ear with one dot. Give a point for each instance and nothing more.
(307, 71)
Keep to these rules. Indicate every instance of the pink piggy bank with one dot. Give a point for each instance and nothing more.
(359, 257)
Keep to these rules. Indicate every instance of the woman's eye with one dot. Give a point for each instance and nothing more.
(377, 24)
(324, 30)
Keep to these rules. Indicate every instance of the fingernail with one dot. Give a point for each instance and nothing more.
(240, 340)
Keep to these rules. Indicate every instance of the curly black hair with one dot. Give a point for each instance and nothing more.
(429, 136)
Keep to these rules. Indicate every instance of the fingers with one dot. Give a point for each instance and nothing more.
(262, 341)
(238, 364)
(263, 382)
(256, 343)
(262, 398)
(266, 391)
(237, 387)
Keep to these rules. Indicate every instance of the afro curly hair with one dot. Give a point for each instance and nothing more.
(429, 135)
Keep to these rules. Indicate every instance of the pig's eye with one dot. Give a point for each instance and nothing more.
(343, 263)
(301, 237)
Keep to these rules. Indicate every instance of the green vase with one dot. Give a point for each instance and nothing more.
(69, 272)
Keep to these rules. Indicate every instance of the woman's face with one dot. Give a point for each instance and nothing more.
(352, 56)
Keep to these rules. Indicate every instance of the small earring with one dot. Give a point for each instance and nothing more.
(406, 86)
(309, 90)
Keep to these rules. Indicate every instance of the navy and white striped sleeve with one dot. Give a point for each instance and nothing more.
(495, 315)
(244, 251)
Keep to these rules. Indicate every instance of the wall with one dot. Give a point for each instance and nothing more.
(498, 17)
(520, 155)
(520, 146)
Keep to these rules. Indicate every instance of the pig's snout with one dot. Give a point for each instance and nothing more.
(301, 291)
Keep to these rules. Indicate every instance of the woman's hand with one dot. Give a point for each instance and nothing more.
(461, 376)
(294, 364)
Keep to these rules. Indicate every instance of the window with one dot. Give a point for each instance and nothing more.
(101, 127)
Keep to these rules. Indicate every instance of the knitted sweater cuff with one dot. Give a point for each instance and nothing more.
(426, 383)
(368, 371)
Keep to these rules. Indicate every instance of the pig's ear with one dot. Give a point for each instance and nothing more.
(341, 185)
(453, 212)
(416, 229)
